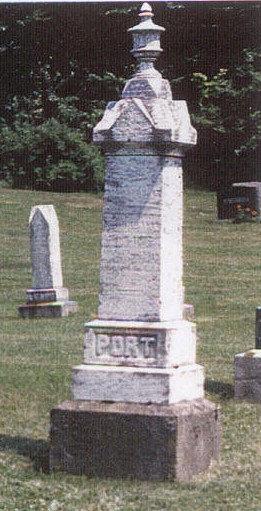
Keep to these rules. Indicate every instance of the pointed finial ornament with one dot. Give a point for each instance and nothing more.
(146, 41)
(146, 9)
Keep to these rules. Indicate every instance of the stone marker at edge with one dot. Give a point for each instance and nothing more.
(247, 368)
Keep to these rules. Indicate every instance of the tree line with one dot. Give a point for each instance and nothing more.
(61, 63)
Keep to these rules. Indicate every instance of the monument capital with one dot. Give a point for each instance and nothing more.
(146, 112)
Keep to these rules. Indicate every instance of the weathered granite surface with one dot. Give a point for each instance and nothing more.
(247, 368)
(116, 440)
(137, 384)
(141, 261)
(45, 248)
(144, 139)
(47, 309)
(144, 136)
(47, 295)
(140, 344)
(139, 362)
(247, 382)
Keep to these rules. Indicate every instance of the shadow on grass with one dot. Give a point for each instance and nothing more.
(36, 450)
(224, 390)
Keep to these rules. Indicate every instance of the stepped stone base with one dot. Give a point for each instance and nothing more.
(118, 440)
(138, 384)
(247, 380)
(47, 310)
(59, 294)
(47, 303)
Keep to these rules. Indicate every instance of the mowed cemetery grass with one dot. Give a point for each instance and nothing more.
(222, 275)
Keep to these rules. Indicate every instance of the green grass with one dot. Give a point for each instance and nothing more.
(222, 266)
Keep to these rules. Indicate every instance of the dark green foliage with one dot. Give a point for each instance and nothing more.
(50, 156)
(63, 62)
(228, 119)
(46, 145)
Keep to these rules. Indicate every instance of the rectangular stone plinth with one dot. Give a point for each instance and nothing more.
(137, 385)
(47, 310)
(47, 295)
(248, 375)
(140, 344)
(146, 442)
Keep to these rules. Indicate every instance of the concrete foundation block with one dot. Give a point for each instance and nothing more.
(47, 310)
(247, 380)
(137, 384)
(116, 440)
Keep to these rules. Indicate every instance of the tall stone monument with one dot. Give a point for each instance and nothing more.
(48, 297)
(138, 407)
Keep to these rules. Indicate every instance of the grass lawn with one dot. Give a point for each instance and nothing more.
(222, 266)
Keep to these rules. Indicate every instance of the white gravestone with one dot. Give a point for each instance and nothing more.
(47, 297)
(144, 136)
(140, 353)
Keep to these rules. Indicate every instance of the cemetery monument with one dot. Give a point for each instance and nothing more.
(47, 297)
(137, 408)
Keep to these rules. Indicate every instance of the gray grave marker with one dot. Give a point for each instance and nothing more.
(47, 297)
(247, 380)
(246, 195)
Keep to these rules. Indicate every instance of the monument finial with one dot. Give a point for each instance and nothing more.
(146, 40)
(146, 10)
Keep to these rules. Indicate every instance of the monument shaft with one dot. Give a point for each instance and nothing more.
(45, 248)
(141, 262)
(144, 136)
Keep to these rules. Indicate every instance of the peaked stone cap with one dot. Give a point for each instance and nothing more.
(146, 113)
(134, 121)
(47, 211)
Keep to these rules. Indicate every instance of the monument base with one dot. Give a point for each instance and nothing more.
(162, 386)
(139, 362)
(59, 294)
(140, 343)
(47, 310)
(135, 441)
(247, 380)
